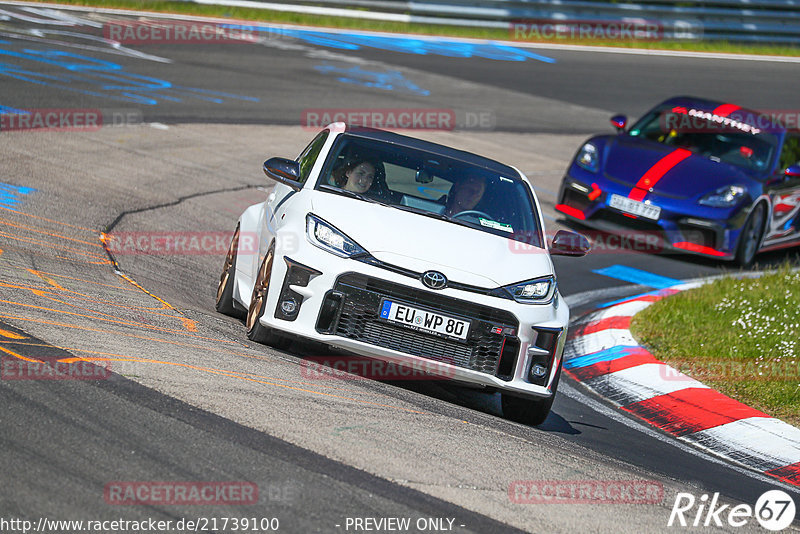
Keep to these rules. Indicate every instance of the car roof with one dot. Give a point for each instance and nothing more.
(715, 106)
(434, 148)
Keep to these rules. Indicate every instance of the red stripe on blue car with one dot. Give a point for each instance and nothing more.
(656, 172)
(725, 109)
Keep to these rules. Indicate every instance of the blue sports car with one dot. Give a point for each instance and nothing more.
(699, 176)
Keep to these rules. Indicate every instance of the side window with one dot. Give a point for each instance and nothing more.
(310, 154)
(790, 153)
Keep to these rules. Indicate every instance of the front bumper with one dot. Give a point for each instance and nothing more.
(337, 301)
(682, 226)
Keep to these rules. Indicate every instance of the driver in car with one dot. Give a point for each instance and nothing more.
(464, 195)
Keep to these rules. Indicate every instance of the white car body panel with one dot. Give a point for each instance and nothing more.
(407, 240)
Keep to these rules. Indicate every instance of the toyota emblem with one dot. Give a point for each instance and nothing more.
(434, 280)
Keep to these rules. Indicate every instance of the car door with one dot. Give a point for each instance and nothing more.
(784, 192)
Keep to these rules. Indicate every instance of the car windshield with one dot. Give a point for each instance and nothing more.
(731, 139)
(432, 185)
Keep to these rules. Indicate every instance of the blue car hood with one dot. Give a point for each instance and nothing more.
(627, 159)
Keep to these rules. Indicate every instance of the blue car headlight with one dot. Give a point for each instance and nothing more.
(328, 237)
(588, 158)
(533, 291)
(724, 197)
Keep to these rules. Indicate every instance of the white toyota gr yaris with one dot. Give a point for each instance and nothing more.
(406, 251)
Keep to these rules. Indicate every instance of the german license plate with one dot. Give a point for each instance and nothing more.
(634, 207)
(424, 320)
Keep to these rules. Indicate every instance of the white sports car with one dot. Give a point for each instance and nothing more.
(407, 251)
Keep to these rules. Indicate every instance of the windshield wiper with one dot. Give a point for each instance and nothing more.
(432, 214)
(421, 211)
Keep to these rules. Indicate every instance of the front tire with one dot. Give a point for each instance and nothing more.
(225, 303)
(750, 238)
(258, 303)
(529, 411)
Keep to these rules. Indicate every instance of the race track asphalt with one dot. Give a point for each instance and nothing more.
(189, 398)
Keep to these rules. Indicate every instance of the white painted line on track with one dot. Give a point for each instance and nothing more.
(309, 10)
(626, 309)
(597, 341)
(643, 382)
(739, 438)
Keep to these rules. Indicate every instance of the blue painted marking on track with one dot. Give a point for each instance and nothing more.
(387, 80)
(11, 195)
(637, 276)
(59, 59)
(104, 79)
(606, 355)
(13, 111)
(218, 93)
(403, 44)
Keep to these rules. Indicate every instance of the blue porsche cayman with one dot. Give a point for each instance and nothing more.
(699, 176)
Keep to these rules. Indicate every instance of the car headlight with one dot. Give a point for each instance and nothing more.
(532, 291)
(328, 237)
(724, 197)
(588, 158)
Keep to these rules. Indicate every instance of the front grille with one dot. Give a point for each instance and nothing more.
(640, 224)
(359, 319)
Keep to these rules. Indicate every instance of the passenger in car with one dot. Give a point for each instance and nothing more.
(356, 176)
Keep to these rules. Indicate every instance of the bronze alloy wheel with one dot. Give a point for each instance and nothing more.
(230, 258)
(259, 298)
(225, 303)
(258, 302)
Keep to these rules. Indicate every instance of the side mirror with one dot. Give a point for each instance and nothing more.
(285, 171)
(792, 171)
(569, 244)
(619, 122)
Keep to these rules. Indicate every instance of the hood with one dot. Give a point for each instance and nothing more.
(628, 159)
(421, 243)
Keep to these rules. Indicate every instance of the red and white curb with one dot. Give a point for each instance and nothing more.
(603, 355)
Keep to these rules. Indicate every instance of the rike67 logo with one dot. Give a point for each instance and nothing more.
(774, 510)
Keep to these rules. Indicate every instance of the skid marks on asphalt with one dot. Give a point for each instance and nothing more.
(58, 282)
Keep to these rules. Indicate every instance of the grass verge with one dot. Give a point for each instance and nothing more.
(265, 15)
(738, 336)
